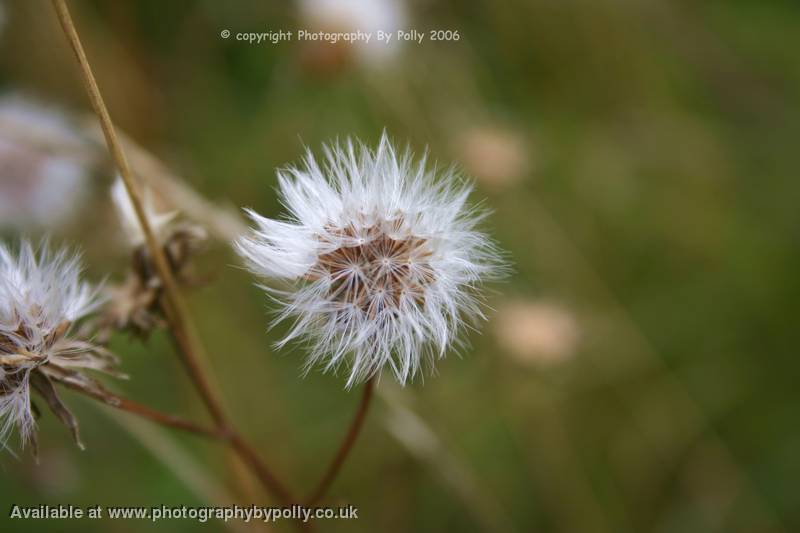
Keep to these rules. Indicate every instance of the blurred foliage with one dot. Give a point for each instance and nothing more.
(659, 205)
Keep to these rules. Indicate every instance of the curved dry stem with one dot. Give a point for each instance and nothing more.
(185, 467)
(347, 444)
(246, 452)
(164, 419)
(174, 308)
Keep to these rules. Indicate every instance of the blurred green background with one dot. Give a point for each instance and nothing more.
(640, 370)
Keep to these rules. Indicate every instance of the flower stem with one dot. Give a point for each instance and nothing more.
(244, 450)
(129, 406)
(250, 457)
(174, 308)
(346, 446)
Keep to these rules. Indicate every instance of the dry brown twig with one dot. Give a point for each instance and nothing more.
(185, 467)
(173, 305)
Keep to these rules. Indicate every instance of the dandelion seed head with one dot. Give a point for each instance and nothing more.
(383, 257)
(41, 296)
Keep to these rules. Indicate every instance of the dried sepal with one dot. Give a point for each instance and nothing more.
(47, 391)
(80, 382)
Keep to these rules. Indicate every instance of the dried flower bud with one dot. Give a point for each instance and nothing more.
(134, 305)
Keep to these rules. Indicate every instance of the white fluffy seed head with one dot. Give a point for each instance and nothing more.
(41, 295)
(383, 255)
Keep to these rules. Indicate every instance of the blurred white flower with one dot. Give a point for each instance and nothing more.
(383, 255)
(159, 222)
(44, 165)
(537, 332)
(41, 296)
(359, 15)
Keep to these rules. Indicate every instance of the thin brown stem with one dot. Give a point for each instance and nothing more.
(239, 445)
(164, 419)
(346, 446)
(173, 305)
(250, 457)
(244, 450)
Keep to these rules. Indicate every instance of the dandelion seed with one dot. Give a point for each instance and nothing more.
(384, 257)
(41, 297)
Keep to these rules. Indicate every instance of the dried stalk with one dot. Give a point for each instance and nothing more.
(185, 468)
(129, 406)
(174, 308)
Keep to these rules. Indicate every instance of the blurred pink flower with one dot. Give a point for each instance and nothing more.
(497, 157)
(537, 333)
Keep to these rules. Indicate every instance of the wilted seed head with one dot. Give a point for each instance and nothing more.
(134, 304)
(41, 297)
(383, 255)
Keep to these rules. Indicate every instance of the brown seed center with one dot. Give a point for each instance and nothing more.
(376, 271)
